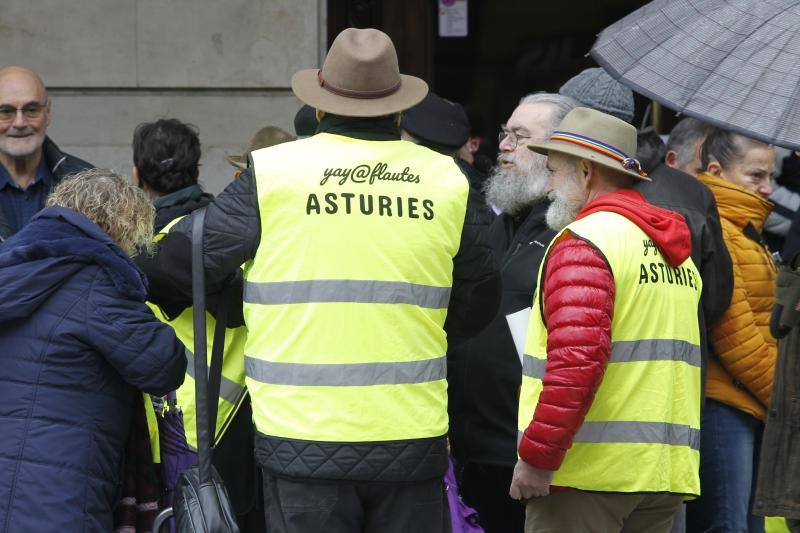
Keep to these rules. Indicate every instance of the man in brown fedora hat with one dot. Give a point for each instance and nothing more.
(356, 247)
(610, 401)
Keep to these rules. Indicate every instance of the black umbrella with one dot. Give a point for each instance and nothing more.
(731, 63)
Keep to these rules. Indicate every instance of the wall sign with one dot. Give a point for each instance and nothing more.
(452, 18)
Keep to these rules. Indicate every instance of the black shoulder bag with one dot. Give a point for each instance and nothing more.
(201, 502)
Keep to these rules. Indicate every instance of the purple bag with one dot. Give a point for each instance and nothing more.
(463, 517)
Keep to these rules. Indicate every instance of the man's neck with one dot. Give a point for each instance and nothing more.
(22, 169)
(600, 190)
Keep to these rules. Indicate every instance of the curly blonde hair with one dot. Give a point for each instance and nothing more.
(110, 201)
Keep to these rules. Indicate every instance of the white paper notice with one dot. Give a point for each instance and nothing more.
(453, 18)
(518, 324)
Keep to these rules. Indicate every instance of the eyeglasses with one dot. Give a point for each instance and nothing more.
(513, 137)
(31, 111)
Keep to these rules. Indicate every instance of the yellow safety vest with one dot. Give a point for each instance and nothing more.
(232, 391)
(347, 295)
(642, 432)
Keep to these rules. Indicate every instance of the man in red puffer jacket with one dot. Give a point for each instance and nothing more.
(609, 414)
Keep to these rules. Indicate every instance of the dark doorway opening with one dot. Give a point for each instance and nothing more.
(513, 47)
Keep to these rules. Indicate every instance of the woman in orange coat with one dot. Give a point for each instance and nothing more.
(742, 356)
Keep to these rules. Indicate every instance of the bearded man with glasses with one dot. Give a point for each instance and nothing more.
(30, 163)
(484, 372)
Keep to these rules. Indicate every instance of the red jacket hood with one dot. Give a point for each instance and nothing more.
(667, 228)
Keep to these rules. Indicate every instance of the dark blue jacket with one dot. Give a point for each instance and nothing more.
(75, 339)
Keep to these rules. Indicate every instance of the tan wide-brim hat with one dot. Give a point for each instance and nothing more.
(264, 138)
(598, 137)
(360, 78)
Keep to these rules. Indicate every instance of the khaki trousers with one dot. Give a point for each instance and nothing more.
(601, 512)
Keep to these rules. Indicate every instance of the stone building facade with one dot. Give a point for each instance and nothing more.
(224, 66)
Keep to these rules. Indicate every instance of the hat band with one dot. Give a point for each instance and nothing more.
(349, 93)
(628, 163)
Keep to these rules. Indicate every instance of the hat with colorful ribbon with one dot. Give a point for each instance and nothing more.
(598, 137)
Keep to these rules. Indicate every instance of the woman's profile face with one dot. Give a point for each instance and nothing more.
(753, 171)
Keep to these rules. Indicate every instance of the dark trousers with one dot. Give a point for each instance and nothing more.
(485, 488)
(311, 506)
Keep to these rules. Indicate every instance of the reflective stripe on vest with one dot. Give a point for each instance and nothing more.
(229, 390)
(632, 352)
(637, 432)
(346, 297)
(346, 290)
(642, 431)
(346, 375)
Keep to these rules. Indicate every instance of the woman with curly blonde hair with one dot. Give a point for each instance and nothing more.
(77, 341)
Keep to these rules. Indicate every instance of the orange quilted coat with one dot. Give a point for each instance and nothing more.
(740, 371)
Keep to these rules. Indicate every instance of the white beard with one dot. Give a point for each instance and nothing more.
(513, 189)
(562, 211)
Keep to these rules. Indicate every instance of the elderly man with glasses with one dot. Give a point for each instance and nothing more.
(30, 163)
(484, 371)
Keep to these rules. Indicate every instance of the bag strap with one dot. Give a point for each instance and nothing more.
(215, 371)
(200, 348)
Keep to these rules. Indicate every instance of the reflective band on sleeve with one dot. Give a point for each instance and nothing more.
(346, 375)
(636, 433)
(533, 367)
(631, 352)
(656, 350)
(229, 390)
(346, 290)
(639, 432)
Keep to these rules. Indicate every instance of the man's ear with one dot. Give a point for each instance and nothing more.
(671, 158)
(714, 168)
(586, 172)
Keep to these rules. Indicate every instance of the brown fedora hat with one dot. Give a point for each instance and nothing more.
(264, 138)
(598, 137)
(360, 78)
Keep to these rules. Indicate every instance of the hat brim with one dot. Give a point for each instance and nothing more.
(562, 147)
(306, 87)
(238, 161)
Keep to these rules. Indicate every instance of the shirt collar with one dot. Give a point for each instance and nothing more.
(42, 174)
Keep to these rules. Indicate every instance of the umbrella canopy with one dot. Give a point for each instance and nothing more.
(732, 63)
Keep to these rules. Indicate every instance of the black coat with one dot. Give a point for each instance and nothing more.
(60, 165)
(484, 372)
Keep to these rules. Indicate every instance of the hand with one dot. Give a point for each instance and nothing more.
(529, 482)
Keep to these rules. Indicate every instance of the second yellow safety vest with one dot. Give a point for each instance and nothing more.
(642, 432)
(232, 390)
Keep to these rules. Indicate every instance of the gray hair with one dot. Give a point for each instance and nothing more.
(684, 136)
(110, 201)
(563, 105)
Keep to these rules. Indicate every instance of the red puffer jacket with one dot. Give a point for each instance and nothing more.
(578, 308)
